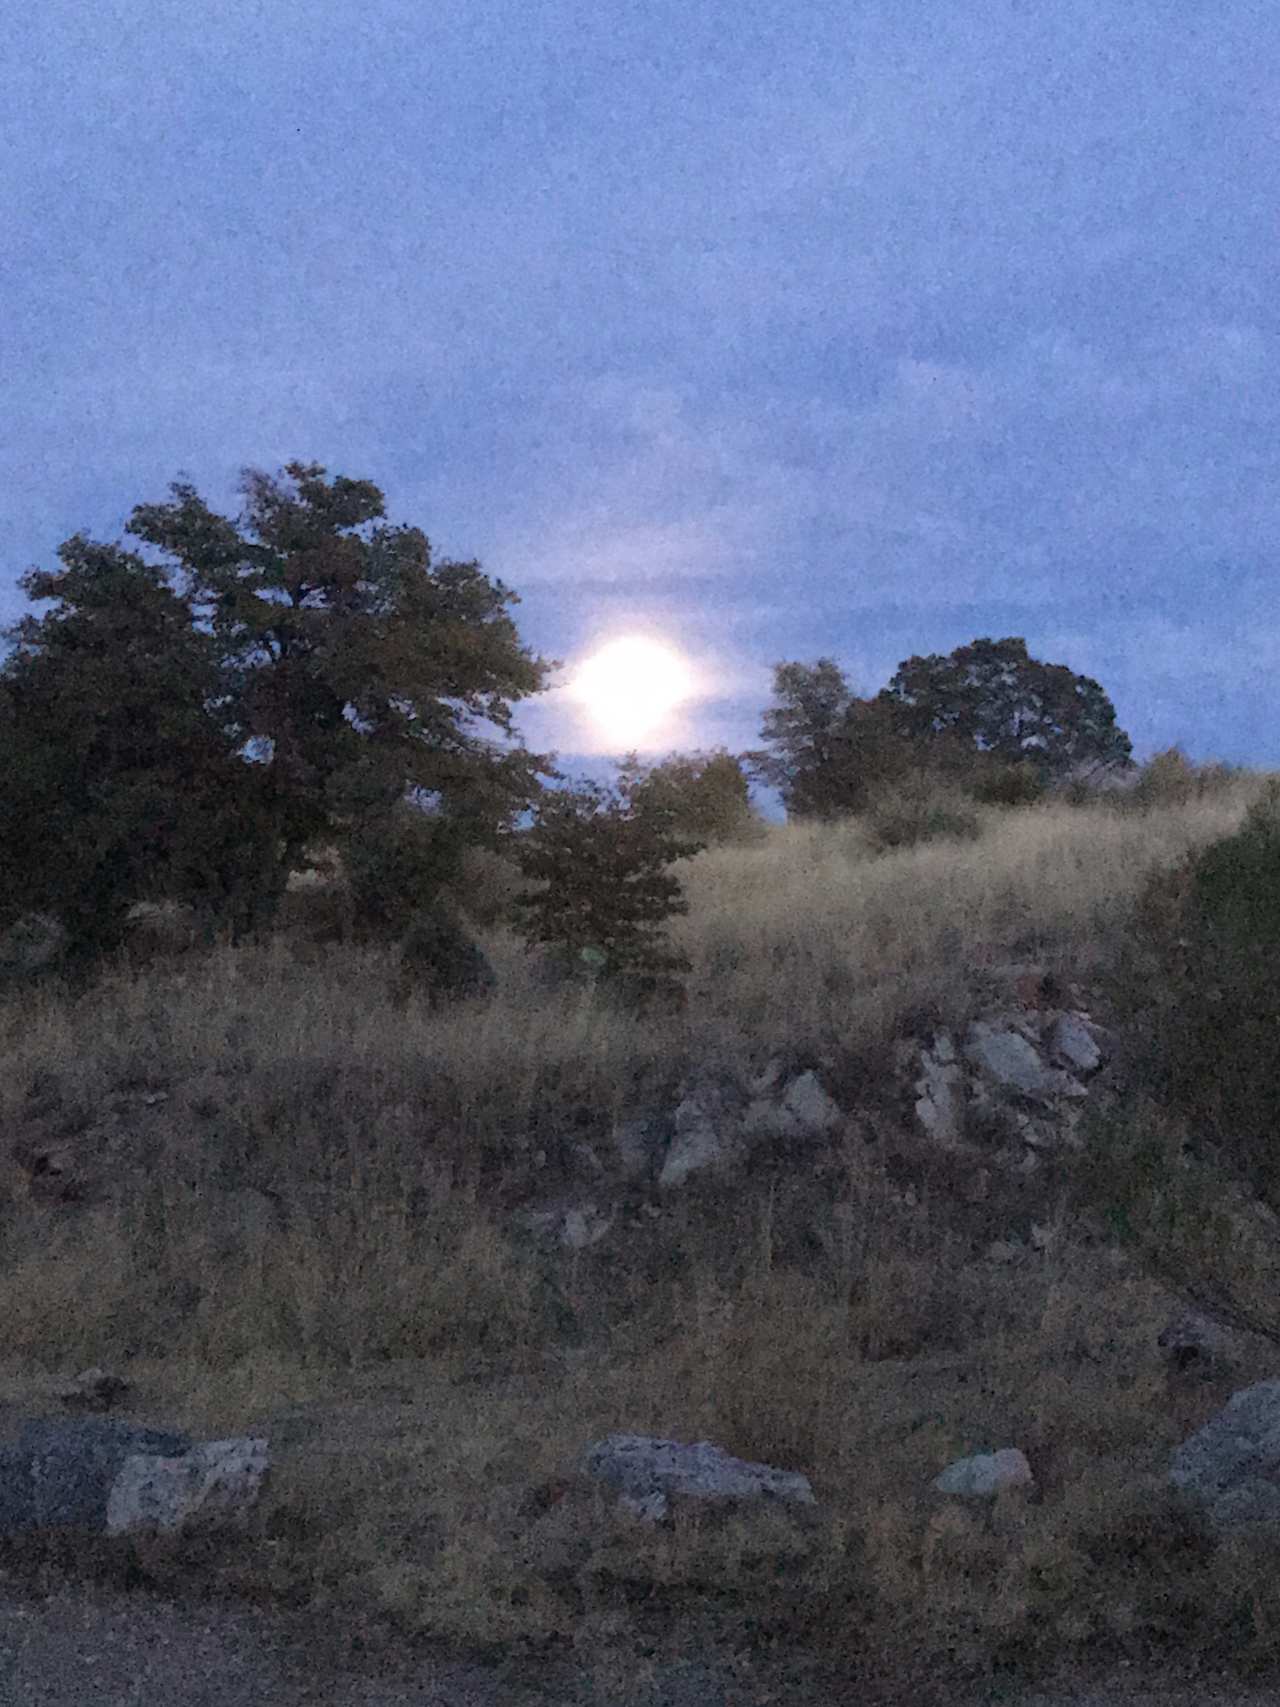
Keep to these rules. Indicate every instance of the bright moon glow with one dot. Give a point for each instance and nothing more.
(629, 686)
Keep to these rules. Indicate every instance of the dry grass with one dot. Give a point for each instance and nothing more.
(427, 1377)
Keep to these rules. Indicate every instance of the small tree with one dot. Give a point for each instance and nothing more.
(606, 890)
(800, 731)
(704, 796)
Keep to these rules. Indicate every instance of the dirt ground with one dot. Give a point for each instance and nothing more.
(77, 1647)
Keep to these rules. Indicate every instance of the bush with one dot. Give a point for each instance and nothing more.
(704, 796)
(440, 961)
(606, 889)
(1170, 779)
(398, 866)
(1005, 784)
(920, 808)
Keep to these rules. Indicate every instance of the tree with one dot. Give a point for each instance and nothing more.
(119, 783)
(993, 697)
(606, 890)
(701, 795)
(800, 732)
(358, 667)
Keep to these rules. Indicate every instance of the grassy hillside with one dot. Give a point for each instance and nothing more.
(273, 1197)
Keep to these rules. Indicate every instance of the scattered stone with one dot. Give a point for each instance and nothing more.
(94, 1390)
(1072, 1045)
(986, 1474)
(813, 1112)
(1009, 1058)
(699, 1143)
(940, 1094)
(575, 1226)
(215, 1485)
(1231, 1466)
(649, 1473)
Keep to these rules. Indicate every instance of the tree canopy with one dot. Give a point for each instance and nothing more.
(257, 684)
(994, 697)
(972, 716)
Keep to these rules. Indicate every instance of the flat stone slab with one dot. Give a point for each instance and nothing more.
(648, 1473)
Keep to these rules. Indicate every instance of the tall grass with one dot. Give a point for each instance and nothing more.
(294, 1186)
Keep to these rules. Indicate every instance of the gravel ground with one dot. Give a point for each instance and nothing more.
(102, 1649)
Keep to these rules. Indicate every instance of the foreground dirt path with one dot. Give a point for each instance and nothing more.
(86, 1649)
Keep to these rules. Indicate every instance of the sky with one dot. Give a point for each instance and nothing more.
(764, 330)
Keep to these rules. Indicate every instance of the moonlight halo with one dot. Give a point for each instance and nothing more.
(629, 686)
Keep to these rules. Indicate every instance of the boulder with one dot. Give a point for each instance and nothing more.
(986, 1474)
(108, 1478)
(215, 1485)
(1073, 1046)
(648, 1474)
(60, 1473)
(1231, 1467)
(802, 1110)
(1013, 1061)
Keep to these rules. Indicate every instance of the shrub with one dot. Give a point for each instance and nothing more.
(1006, 784)
(440, 961)
(1170, 778)
(919, 808)
(704, 796)
(606, 890)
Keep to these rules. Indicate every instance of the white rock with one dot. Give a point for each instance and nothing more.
(584, 1226)
(986, 1474)
(940, 1098)
(648, 1473)
(696, 1149)
(814, 1112)
(215, 1485)
(1012, 1060)
(1072, 1045)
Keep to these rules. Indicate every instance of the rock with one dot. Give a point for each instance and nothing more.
(585, 1162)
(1231, 1466)
(986, 1474)
(215, 1485)
(1072, 1045)
(1192, 1342)
(940, 1096)
(701, 1140)
(637, 1143)
(60, 1473)
(813, 1112)
(94, 1390)
(584, 1226)
(649, 1473)
(575, 1226)
(803, 1110)
(1014, 1062)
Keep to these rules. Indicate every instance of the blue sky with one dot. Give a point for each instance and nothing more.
(772, 330)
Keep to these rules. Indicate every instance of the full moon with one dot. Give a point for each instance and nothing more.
(629, 686)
